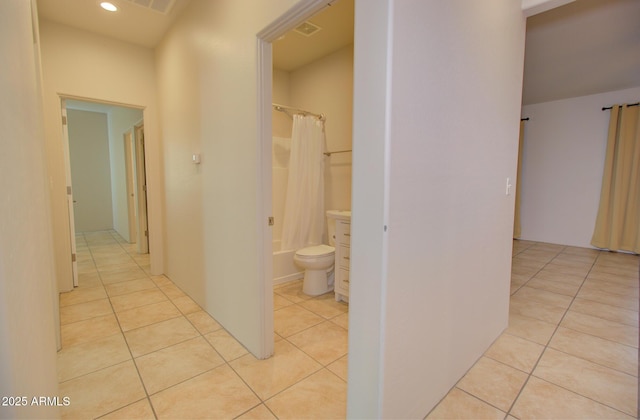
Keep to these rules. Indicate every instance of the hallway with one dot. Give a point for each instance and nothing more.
(135, 346)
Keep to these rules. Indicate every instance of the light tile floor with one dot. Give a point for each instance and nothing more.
(571, 348)
(135, 346)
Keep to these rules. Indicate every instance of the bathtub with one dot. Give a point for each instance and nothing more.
(284, 269)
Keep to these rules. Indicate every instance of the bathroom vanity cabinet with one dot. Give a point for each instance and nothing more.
(342, 259)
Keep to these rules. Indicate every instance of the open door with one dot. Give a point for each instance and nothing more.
(131, 185)
(141, 191)
(70, 201)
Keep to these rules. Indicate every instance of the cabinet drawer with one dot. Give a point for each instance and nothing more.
(344, 274)
(345, 256)
(343, 232)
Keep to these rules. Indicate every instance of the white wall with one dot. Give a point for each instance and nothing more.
(27, 305)
(84, 65)
(121, 119)
(563, 159)
(90, 170)
(326, 86)
(207, 78)
(281, 94)
(436, 118)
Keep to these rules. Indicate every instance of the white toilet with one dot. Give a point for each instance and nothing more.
(317, 262)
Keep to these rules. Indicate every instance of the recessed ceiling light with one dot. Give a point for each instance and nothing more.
(108, 6)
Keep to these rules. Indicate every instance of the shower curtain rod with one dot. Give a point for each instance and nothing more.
(284, 108)
(604, 108)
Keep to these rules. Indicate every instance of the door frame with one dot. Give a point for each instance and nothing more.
(70, 200)
(293, 17)
(67, 163)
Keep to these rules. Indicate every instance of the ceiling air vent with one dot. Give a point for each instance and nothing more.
(160, 6)
(307, 29)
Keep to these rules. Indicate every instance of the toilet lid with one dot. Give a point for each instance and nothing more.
(314, 251)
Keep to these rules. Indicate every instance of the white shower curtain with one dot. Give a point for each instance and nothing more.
(303, 223)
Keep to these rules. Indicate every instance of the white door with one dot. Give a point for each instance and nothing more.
(70, 201)
(131, 185)
(141, 189)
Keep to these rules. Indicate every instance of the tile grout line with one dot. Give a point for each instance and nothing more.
(553, 334)
(534, 274)
(598, 364)
(546, 346)
(263, 402)
(322, 366)
(556, 329)
(507, 413)
(535, 365)
(325, 366)
(123, 336)
(133, 360)
(201, 334)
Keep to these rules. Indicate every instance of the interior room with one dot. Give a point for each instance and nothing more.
(415, 109)
(566, 130)
(102, 161)
(313, 72)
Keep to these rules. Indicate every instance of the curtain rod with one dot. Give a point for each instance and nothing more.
(604, 108)
(284, 108)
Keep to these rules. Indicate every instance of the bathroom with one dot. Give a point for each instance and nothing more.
(313, 73)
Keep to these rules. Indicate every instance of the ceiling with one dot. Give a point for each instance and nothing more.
(581, 48)
(131, 23)
(294, 50)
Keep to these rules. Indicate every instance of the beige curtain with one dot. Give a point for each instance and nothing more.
(516, 216)
(617, 226)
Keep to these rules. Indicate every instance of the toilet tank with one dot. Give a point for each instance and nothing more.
(332, 216)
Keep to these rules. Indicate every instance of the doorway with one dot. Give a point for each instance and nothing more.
(105, 175)
(313, 72)
(268, 80)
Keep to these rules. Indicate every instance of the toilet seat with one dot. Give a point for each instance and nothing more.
(315, 251)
